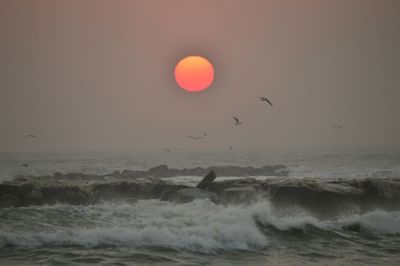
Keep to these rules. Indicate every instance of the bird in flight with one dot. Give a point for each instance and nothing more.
(265, 99)
(237, 121)
(230, 147)
(205, 134)
(194, 138)
(25, 165)
(30, 136)
(167, 150)
(340, 127)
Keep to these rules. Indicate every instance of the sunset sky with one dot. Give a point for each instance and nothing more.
(99, 74)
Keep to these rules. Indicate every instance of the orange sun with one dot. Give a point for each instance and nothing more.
(194, 73)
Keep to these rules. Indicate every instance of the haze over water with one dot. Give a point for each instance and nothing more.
(92, 83)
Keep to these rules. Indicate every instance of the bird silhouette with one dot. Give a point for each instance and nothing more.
(237, 121)
(167, 150)
(265, 99)
(194, 138)
(30, 136)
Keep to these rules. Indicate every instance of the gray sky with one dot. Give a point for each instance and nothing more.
(99, 74)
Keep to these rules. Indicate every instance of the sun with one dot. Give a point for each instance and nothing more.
(194, 73)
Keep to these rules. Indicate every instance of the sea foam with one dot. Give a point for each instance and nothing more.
(196, 226)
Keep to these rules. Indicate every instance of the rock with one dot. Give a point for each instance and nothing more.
(164, 171)
(8, 201)
(191, 194)
(66, 194)
(20, 178)
(33, 197)
(158, 170)
(355, 227)
(218, 187)
(323, 197)
(207, 180)
(58, 175)
(239, 195)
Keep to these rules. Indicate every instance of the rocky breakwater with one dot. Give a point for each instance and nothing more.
(85, 190)
(319, 196)
(78, 188)
(326, 197)
(323, 198)
(163, 171)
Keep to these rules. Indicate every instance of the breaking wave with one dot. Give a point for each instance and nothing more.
(200, 225)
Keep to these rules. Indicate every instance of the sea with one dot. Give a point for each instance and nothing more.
(154, 232)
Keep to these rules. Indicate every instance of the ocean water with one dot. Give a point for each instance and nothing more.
(153, 232)
(352, 162)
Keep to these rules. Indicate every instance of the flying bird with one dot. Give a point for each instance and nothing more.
(25, 165)
(237, 121)
(167, 150)
(194, 138)
(30, 136)
(340, 127)
(230, 147)
(205, 134)
(265, 99)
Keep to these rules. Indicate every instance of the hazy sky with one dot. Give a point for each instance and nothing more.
(99, 74)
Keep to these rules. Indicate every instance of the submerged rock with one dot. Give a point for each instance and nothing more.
(239, 195)
(191, 194)
(323, 197)
(164, 171)
(205, 183)
(8, 201)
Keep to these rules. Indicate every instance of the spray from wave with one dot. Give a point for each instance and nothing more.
(200, 225)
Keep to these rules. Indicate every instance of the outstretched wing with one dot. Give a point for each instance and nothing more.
(268, 101)
(236, 119)
(265, 99)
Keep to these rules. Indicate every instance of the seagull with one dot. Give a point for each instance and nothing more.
(30, 136)
(237, 121)
(265, 99)
(194, 138)
(340, 127)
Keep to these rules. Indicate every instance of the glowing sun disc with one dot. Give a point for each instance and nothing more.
(194, 73)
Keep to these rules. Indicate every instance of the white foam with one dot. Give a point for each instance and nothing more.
(200, 226)
(375, 222)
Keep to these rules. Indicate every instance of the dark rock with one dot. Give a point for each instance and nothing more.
(66, 194)
(164, 171)
(355, 227)
(8, 201)
(239, 195)
(207, 180)
(21, 179)
(158, 170)
(191, 194)
(218, 187)
(58, 175)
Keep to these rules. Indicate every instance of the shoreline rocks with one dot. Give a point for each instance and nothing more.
(323, 197)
